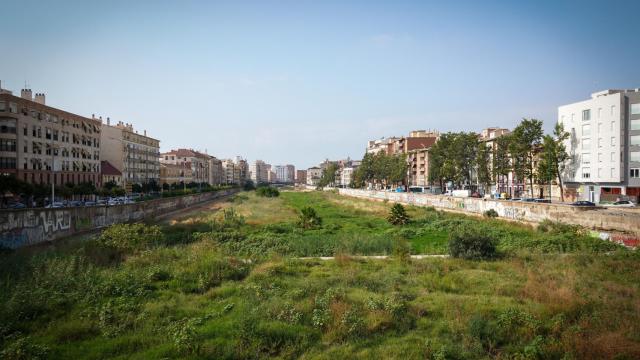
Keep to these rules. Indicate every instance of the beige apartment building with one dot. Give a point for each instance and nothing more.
(134, 154)
(40, 144)
(175, 173)
(199, 163)
(215, 171)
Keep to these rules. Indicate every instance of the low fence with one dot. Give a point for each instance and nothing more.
(32, 226)
(618, 220)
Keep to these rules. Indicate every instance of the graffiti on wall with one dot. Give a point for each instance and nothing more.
(31, 227)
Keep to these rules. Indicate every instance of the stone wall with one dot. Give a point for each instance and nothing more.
(32, 226)
(618, 220)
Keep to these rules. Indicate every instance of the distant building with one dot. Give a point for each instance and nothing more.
(346, 176)
(285, 173)
(136, 155)
(179, 173)
(313, 176)
(235, 172)
(301, 176)
(604, 146)
(215, 171)
(198, 162)
(110, 173)
(259, 171)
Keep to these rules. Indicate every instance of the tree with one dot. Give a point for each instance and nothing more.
(554, 156)
(452, 158)
(309, 218)
(363, 173)
(501, 159)
(328, 177)
(527, 136)
(398, 215)
(483, 158)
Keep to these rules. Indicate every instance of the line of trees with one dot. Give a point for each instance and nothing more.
(532, 157)
(381, 169)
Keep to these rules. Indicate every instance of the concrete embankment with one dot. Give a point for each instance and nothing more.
(25, 227)
(619, 225)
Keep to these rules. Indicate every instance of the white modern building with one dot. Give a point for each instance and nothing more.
(604, 146)
(285, 173)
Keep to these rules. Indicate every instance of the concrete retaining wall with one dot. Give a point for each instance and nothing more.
(618, 220)
(32, 226)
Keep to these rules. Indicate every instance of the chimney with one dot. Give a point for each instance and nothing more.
(26, 94)
(40, 98)
(93, 116)
(108, 121)
(145, 133)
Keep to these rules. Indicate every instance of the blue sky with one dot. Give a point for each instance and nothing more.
(300, 81)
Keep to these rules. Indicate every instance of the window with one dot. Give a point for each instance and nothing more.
(634, 156)
(599, 128)
(8, 145)
(599, 112)
(586, 115)
(634, 173)
(613, 172)
(635, 109)
(586, 173)
(613, 141)
(599, 142)
(586, 158)
(7, 163)
(3, 105)
(7, 126)
(635, 124)
(635, 140)
(599, 172)
(613, 109)
(599, 157)
(13, 107)
(573, 117)
(613, 156)
(586, 130)
(613, 126)
(586, 143)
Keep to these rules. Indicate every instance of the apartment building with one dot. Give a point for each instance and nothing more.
(40, 144)
(417, 146)
(259, 172)
(235, 172)
(301, 177)
(313, 175)
(604, 146)
(285, 173)
(179, 173)
(215, 171)
(134, 154)
(199, 163)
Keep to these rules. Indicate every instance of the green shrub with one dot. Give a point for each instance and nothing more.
(131, 236)
(267, 191)
(470, 243)
(398, 215)
(490, 213)
(24, 349)
(309, 219)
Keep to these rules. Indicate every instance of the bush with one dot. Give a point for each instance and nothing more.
(490, 213)
(131, 236)
(24, 348)
(398, 215)
(472, 244)
(267, 191)
(309, 219)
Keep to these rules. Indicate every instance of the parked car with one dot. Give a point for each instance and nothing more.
(476, 195)
(544, 201)
(74, 203)
(583, 203)
(90, 203)
(55, 205)
(528, 199)
(16, 206)
(623, 203)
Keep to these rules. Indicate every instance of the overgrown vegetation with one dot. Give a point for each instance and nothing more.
(267, 191)
(228, 285)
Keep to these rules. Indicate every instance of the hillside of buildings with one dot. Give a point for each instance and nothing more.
(235, 280)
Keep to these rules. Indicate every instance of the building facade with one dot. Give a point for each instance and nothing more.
(134, 154)
(313, 175)
(215, 170)
(110, 174)
(301, 177)
(285, 174)
(604, 146)
(40, 144)
(259, 172)
(199, 163)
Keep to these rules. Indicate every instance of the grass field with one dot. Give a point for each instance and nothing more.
(227, 284)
